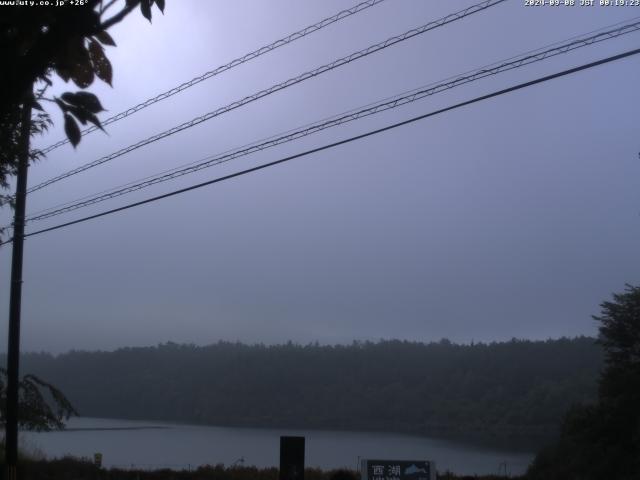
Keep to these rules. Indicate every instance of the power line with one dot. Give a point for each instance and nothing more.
(381, 106)
(342, 142)
(280, 86)
(571, 43)
(223, 68)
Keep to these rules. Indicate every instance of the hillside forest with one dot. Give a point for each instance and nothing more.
(513, 392)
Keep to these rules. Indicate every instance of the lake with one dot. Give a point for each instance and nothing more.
(151, 445)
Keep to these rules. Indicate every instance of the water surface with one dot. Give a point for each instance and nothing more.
(151, 444)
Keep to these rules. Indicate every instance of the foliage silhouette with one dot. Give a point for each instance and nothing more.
(42, 406)
(40, 41)
(603, 440)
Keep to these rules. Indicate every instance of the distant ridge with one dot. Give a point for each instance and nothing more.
(514, 392)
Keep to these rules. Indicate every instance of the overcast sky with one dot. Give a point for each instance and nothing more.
(514, 217)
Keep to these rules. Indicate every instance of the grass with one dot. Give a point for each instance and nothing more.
(83, 469)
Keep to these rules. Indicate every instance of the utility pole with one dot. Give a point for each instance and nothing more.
(13, 351)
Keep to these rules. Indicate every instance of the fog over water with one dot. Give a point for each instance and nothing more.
(514, 217)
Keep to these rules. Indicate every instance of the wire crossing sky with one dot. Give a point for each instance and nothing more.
(341, 15)
(514, 217)
(384, 105)
(342, 142)
(452, 17)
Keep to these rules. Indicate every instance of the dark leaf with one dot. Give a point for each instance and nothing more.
(85, 100)
(80, 113)
(72, 130)
(82, 70)
(93, 119)
(160, 4)
(82, 76)
(63, 106)
(105, 39)
(74, 62)
(37, 106)
(85, 116)
(101, 64)
(69, 97)
(96, 52)
(89, 101)
(63, 73)
(132, 3)
(35, 155)
(145, 8)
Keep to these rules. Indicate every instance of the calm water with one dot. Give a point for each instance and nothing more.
(127, 443)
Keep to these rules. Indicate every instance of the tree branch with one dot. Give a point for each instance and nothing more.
(104, 8)
(118, 17)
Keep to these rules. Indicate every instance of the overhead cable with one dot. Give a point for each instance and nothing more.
(275, 88)
(381, 106)
(223, 68)
(341, 142)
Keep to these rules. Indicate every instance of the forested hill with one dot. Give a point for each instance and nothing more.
(500, 390)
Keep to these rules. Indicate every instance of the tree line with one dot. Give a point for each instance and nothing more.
(510, 391)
